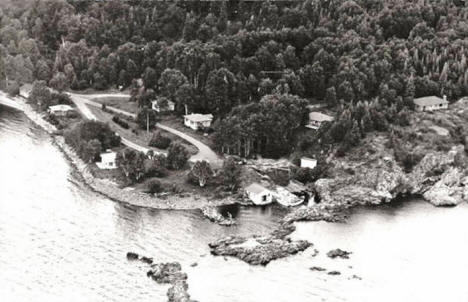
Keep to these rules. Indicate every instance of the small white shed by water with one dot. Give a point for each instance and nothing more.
(107, 160)
(307, 162)
(258, 194)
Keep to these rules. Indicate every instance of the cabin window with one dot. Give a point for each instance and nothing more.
(264, 198)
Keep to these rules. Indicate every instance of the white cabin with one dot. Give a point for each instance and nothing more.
(162, 105)
(430, 103)
(197, 120)
(308, 163)
(60, 110)
(258, 194)
(107, 160)
(316, 119)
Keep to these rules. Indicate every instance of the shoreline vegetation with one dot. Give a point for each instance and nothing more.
(109, 189)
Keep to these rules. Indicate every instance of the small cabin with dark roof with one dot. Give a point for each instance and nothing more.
(430, 103)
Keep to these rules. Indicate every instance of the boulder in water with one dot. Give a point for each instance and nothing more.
(147, 260)
(338, 253)
(132, 256)
(317, 268)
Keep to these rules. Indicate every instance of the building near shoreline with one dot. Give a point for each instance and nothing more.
(198, 121)
(316, 119)
(107, 160)
(60, 110)
(430, 103)
(258, 194)
(162, 105)
(307, 162)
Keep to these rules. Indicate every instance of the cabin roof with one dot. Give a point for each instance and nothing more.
(61, 107)
(197, 117)
(108, 156)
(256, 188)
(320, 117)
(429, 101)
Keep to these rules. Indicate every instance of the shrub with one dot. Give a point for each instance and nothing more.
(116, 119)
(155, 167)
(159, 141)
(132, 164)
(201, 172)
(306, 175)
(303, 175)
(153, 186)
(407, 159)
(83, 132)
(177, 156)
(230, 174)
(13, 88)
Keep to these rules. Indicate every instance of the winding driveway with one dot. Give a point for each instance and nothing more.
(204, 152)
(81, 103)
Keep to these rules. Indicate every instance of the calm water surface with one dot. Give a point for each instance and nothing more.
(61, 242)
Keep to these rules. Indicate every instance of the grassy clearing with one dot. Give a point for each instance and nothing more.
(142, 138)
(118, 102)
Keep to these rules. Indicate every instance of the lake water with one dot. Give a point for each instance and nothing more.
(61, 242)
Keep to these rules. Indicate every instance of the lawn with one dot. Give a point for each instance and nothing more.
(142, 138)
(118, 102)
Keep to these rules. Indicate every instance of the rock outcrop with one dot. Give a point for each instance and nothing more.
(317, 212)
(167, 273)
(439, 179)
(379, 179)
(213, 215)
(257, 250)
(449, 190)
(171, 273)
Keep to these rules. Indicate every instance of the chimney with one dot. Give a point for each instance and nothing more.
(445, 98)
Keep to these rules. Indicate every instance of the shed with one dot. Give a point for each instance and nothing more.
(258, 194)
(307, 162)
(107, 160)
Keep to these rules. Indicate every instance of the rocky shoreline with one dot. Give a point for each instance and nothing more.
(110, 189)
(261, 250)
(212, 214)
(167, 273)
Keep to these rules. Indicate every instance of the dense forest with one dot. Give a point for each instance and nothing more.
(365, 58)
